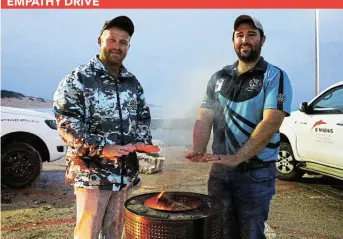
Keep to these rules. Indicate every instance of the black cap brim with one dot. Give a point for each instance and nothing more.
(122, 22)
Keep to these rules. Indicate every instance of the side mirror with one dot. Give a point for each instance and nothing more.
(304, 107)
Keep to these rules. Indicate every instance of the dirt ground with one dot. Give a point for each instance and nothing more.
(309, 209)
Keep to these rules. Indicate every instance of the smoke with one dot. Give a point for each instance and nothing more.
(181, 112)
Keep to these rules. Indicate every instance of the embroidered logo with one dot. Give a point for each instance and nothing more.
(281, 98)
(253, 84)
(219, 84)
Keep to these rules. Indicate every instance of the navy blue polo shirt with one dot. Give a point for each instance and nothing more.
(239, 102)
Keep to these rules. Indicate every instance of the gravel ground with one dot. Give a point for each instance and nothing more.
(312, 208)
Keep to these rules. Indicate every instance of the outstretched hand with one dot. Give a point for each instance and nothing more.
(227, 160)
(112, 151)
(145, 148)
(194, 156)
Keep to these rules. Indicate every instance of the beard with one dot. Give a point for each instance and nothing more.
(111, 58)
(252, 55)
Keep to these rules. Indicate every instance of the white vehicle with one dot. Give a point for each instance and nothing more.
(28, 138)
(312, 137)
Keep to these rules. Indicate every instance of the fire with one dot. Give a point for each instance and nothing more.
(159, 202)
(160, 195)
(164, 202)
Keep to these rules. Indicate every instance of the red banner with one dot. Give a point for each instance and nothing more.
(176, 4)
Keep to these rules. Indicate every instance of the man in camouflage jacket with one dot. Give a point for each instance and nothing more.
(101, 115)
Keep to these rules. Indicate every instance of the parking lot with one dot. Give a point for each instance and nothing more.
(311, 208)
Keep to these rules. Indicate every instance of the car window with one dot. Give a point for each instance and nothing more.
(333, 99)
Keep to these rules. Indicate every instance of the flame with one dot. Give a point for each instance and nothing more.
(167, 204)
(156, 203)
(160, 195)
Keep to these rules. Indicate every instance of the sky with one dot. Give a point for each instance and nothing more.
(173, 53)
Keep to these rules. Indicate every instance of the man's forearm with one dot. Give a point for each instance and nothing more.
(258, 140)
(201, 135)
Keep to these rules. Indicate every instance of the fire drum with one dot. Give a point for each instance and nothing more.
(173, 215)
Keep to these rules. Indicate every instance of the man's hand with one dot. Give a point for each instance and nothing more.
(194, 156)
(112, 152)
(145, 148)
(227, 160)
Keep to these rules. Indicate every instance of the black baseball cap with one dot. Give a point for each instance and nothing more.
(122, 22)
(247, 18)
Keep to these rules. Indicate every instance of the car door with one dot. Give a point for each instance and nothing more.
(328, 131)
(321, 129)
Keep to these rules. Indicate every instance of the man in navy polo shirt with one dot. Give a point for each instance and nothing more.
(245, 104)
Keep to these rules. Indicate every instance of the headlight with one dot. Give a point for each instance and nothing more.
(51, 123)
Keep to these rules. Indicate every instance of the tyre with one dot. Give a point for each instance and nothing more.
(21, 165)
(286, 164)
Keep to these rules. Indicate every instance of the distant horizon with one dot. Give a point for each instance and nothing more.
(28, 96)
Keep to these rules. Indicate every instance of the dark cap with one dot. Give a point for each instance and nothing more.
(122, 22)
(247, 18)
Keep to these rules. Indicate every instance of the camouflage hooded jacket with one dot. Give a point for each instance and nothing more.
(92, 109)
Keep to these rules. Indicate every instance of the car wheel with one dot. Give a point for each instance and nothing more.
(21, 165)
(286, 164)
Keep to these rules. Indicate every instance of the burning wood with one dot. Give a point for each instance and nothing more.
(171, 204)
(163, 202)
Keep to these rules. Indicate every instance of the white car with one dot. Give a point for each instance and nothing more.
(312, 137)
(28, 138)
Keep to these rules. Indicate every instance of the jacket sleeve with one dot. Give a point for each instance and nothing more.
(70, 113)
(143, 133)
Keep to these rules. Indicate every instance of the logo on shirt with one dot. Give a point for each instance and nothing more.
(281, 98)
(219, 84)
(253, 84)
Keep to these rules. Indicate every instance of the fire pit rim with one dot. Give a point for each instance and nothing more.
(135, 214)
(205, 222)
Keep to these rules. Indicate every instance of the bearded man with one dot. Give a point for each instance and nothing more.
(102, 117)
(245, 104)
